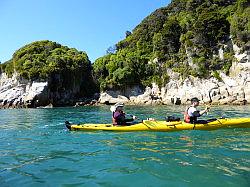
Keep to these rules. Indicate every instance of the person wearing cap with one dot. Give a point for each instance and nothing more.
(118, 116)
(191, 114)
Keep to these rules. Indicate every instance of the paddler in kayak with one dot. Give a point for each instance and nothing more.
(119, 117)
(191, 114)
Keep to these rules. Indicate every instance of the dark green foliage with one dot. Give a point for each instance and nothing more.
(128, 33)
(211, 27)
(227, 62)
(240, 24)
(7, 67)
(66, 69)
(39, 60)
(217, 75)
(164, 37)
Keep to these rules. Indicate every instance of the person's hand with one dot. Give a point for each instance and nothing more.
(151, 119)
(207, 108)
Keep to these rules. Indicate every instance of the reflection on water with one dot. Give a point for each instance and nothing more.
(37, 150)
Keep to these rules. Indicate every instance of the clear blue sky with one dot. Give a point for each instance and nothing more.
(87, 25)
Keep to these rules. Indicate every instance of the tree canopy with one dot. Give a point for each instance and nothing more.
(163, 39)
(40, 59)
(66, 69)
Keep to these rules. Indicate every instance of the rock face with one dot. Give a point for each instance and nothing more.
(112, 98)
(232, 89)
(57, 75)
(229, 91)
(17, 92)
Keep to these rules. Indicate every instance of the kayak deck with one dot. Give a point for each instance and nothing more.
(147, 125)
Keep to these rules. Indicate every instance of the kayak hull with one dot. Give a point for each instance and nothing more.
(164, 126)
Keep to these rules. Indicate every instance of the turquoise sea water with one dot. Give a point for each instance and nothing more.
(37, 150)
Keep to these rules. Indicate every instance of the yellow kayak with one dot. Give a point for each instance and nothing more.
(149, 125)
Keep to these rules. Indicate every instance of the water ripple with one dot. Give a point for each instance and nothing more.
(37, 150)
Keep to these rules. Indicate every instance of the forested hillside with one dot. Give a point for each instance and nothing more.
(40, 59)
(66, 69)
(185, 36)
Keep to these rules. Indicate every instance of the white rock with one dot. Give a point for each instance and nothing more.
(34, 89)
(227, 100)
(105, 98)
(230, 82)
(14, 90)
(221, 54)
(236, 49)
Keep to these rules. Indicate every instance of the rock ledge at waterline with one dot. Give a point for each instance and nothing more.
(228, 91)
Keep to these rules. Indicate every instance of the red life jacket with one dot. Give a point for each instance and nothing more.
(187, 118)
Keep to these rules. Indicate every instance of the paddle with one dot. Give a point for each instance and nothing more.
(144, 122)
(68, 125)
(133, 116)
(208, 107)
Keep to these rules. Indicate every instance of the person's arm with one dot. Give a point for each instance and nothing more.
(193, 112)
(120, 117)
(204, 111)
(128, 120)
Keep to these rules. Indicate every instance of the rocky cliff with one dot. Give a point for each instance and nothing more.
(18, 92)
(188, 48)
(225, 89)
(45, 73)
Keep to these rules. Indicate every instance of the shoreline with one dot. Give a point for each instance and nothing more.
(126, 104)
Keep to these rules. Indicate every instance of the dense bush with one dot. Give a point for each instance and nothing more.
(65, 68)
(40, 59)
(162, 39)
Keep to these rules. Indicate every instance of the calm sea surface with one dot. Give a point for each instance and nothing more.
(36, 150)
